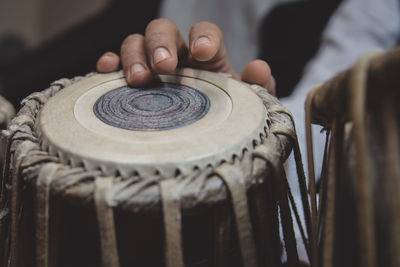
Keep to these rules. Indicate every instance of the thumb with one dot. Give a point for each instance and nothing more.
(259, 72)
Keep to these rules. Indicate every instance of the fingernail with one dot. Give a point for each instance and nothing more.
(108, 55)
(134, 69)
(202, 41)
(160, 54)
(137, 68)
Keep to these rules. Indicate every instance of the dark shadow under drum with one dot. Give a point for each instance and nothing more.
(140, 238)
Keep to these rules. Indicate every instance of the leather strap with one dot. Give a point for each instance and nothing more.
(105, 222)
(19, 155)
(392, 153)
(311, 177)
(234, 177)
(291, 133)
(43, 183)
(283, 130)
(172, 223)
(357, 105)
(329, 228)
(273, 159)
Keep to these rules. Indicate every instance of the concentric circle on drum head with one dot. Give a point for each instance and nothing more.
(187, 119)
(166, 106)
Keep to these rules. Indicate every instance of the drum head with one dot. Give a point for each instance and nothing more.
(188, 119)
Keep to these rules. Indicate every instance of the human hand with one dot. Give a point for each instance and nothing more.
(162, 49)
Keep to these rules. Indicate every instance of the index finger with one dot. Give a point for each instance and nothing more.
(164, 45)
(207, 48)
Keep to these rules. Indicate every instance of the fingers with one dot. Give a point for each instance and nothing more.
(208, 49)
(164, 45)
(108, 62)
(157, 51)
(206, 41)
(134, 60)
(259, 72)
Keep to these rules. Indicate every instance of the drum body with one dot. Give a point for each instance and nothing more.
(85, 186)
(360, 188)
(7, 112)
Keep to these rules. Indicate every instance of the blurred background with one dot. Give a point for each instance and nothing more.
(37, 21)
(45, 40)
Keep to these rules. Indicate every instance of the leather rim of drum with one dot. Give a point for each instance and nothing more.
(68, 128)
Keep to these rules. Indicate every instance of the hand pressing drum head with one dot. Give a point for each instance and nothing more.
(162, 49)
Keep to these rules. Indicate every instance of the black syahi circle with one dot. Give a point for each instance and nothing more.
(163, 107)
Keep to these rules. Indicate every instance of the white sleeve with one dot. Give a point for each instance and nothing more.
(356, 27)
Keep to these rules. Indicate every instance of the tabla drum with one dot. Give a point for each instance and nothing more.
(360, 186)
(186, 171)
(7, 112)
